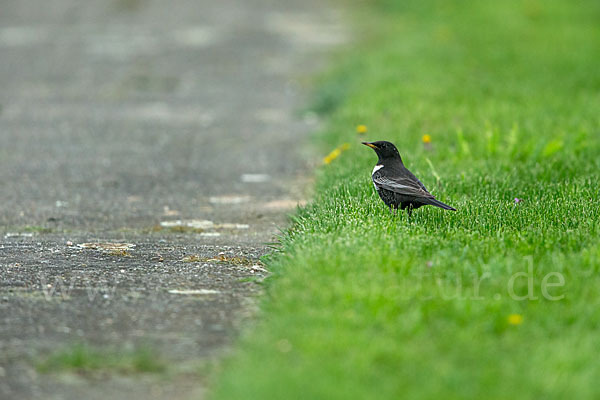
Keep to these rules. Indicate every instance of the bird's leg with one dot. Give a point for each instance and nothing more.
(410, 208)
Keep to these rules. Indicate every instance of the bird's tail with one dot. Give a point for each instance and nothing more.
(439, 204)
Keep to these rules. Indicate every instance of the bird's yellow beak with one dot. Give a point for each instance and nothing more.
(371, 145)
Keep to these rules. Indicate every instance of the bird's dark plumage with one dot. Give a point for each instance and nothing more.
(396, 185)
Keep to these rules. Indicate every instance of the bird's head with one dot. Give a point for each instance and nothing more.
(385, 150)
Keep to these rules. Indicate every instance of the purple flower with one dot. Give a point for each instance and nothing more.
(517, 200)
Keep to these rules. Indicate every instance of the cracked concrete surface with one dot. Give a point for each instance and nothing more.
(168, 126)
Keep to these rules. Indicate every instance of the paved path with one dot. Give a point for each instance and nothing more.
(168, 127)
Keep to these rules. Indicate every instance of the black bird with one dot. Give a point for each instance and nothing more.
(396, 185)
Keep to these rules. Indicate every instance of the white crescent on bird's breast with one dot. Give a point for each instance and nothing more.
(376, 168)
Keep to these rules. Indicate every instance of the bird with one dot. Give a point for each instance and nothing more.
(395, 184)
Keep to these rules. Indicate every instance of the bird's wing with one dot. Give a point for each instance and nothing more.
(402, 185)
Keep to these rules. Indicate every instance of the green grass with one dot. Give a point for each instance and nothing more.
(83, 358)
(363, 305)
(35, 229)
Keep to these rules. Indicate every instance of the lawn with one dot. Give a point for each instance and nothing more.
(500, 299)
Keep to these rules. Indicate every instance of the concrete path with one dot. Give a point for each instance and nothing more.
(169, 128)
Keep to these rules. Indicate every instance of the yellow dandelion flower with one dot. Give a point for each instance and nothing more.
(361, 129)
(332, 156)
(515, 319)
(335, 153)
(426, 138)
